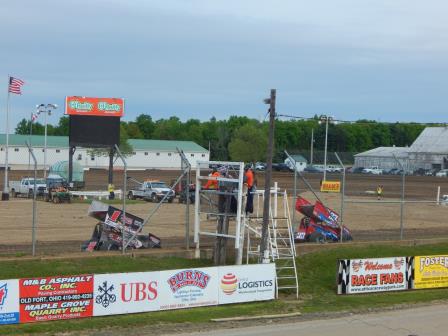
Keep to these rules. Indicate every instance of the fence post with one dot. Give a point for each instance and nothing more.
(403, 174)
(342, 196)
(186, 168)
(33, 225)
(124, 195)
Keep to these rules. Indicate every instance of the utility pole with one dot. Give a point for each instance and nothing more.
(312, 146)
(264, 252)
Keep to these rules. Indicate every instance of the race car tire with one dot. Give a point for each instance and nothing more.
(316, 237)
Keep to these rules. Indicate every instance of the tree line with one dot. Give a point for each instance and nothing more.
(245, 139)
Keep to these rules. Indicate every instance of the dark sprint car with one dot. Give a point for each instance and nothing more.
(319, 224)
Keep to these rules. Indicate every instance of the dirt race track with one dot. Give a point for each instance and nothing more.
(62, 227)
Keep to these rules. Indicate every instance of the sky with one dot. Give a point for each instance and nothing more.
(383, 60)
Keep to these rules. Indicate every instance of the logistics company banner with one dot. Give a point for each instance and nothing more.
(431, 271)
(55, 298)
(103, 107)
(331, 186)
(9, 301)
(249, 283)
(189, 288)
(66, 297)
(125, 293)
(372, 275)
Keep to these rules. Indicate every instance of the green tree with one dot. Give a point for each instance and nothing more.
(146, 125)
(248, 144)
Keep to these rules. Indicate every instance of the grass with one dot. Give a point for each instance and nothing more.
(317, 273)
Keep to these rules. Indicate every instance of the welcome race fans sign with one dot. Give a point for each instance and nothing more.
(68, 297)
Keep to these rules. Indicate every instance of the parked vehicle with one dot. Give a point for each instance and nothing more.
(312, 169)
(373, 170)
(153, 191)
(333, 169)
(442, 173)
(25, 187)
(356, 170)
(56, 190)
(281, 167)
(260, 166)
(432, 172)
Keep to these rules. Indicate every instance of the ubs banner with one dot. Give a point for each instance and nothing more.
(67, 297)
(373, 275)
(431, 271)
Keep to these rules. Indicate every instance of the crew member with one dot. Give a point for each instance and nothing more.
(111, 190)
(249, 182)
(213, 183)
(379, 191)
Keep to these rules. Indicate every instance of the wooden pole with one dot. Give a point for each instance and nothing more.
(264, 252)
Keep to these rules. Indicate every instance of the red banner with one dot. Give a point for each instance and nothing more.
(103, 107)
(56, 298)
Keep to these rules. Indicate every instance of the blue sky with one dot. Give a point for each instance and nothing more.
(384, 60)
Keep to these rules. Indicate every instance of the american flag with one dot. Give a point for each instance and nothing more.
(15, 84)
(34, 117)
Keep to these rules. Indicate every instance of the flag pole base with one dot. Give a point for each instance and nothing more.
(5, 196)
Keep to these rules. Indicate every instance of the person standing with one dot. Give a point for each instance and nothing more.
(213, 183)
(249, 182)
(379, 191)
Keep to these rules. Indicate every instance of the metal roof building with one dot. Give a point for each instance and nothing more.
(147, 154)
(382, 157)
(429, 151)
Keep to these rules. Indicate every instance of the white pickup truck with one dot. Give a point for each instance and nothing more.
(153, 191)
(373, 170)
(26, 186)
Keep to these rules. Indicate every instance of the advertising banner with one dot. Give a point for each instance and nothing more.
(75, 296)
(9, 301)
(102, 107)
(372, 275)
(123, 293)
(246, 283)
(431, 271)
(189, 288)
(331, 186)
(56, 298)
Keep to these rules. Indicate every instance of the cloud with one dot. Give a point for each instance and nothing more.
(197, 58)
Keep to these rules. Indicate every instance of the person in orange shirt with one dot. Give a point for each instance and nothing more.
(213, 184)
(249, 182)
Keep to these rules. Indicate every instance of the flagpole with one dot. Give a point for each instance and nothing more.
(31, 134)
(5, 195)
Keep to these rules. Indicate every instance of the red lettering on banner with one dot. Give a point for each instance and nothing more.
(370, 266)
(138, 291)
(391, 278)
(364, 280)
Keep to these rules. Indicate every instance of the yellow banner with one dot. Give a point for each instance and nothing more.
(331, 186)
(431, 271)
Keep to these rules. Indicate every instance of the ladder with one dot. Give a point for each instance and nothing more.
(281, 243)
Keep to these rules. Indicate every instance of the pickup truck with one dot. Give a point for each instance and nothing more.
(373, 170)
(26, 187)
(152, 191)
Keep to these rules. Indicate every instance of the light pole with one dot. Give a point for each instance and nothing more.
(46, 109)
(326, 119)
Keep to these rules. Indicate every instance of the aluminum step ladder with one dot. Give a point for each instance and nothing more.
(280, 242)
(283, 249)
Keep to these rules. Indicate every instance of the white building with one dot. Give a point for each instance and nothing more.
(382, 157)
(147, 154)
(300, 161)
(429, 151)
